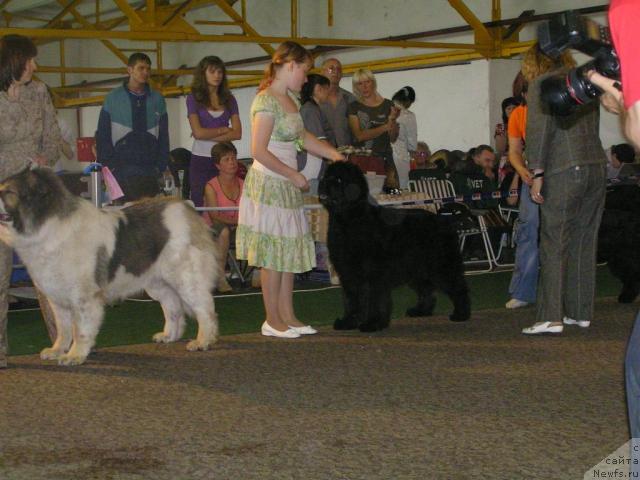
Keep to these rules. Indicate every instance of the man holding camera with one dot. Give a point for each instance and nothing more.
(623, 18)
(625, 101)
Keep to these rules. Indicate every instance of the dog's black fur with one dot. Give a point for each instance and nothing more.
(619, 238)
(375, 249)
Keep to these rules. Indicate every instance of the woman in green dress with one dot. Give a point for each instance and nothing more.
(272, 228)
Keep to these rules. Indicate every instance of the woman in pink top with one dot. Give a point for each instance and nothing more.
(223, 190)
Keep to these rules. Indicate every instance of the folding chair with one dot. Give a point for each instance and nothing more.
(510, 216)
(439, 190)
(239, 268)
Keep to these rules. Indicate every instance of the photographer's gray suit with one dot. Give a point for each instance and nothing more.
(569, 151)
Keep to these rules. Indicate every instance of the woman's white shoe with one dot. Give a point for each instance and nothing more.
(268, 331)
(305, 330)
(580, 323)
(543, 327)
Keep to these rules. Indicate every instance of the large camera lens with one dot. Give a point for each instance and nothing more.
(563, 93)
(556, 96)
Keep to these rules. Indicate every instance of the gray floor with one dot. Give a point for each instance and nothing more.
(425, 399)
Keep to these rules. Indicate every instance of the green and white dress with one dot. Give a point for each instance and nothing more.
(272, 228)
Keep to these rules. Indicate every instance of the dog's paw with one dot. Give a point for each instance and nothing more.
(51, 354)
(195, 345)
(344, 324)
(161, 337)
(69, 360)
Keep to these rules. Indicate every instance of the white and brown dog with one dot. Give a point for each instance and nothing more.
(82, 258)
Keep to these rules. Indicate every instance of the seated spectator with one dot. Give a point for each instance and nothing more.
(478, 176)
(434, 168)
(481, 159)
(618, 156)
(223, 190)
(420, 156)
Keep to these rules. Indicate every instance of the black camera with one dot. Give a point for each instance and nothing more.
(564, 93)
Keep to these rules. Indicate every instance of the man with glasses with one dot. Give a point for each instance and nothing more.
(335, 108)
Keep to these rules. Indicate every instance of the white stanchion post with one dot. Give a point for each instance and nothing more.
(95, 186)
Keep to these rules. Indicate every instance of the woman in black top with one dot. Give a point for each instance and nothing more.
(372, 119)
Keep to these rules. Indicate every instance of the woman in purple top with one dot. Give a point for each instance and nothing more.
(213, 116)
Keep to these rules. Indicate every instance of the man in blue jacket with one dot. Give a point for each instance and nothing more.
(133, 132)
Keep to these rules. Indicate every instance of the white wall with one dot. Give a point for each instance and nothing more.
(457, 106)
(452, 105)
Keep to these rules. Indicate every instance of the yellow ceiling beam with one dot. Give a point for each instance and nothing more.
(65, 10)
(294, 18)
(151, 12)
(129, 12)
(481, 33)
(86, 24)
(123, 70)
(170, 36)
(62, 102)
(81, 89)
(246, 28)
(396, 63)
(217, 22)
(181, 10)
(496, 11)
(62, 63)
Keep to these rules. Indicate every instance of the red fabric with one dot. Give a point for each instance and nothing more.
(624, 16)
(85, 153)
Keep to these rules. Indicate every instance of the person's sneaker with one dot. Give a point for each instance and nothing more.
(543, 327)
(515, 303)
(223, 286)
(580, 323)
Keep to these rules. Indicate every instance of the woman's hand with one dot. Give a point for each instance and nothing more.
(536, 188)
(338, 157)
(525, 174)
(299, 181)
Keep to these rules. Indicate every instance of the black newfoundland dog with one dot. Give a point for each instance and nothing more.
(375, 249)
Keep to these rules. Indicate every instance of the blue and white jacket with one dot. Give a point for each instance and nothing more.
(133, 133)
